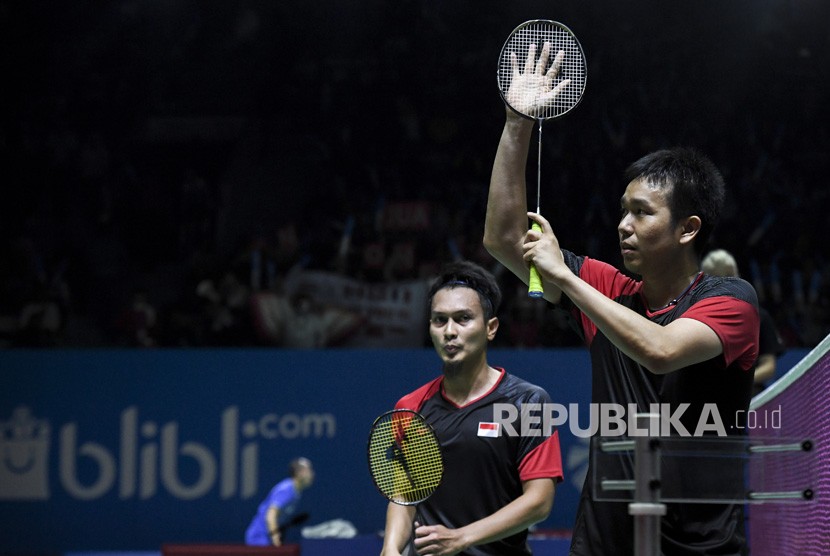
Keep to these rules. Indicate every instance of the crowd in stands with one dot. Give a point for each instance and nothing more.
(165, 164)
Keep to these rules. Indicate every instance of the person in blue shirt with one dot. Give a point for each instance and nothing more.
(280, 504)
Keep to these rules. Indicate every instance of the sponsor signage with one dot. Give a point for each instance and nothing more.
(129, 449)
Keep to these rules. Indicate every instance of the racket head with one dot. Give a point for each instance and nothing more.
(405, 458)
(536, 97)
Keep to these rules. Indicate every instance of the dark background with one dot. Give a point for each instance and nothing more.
(150, 147)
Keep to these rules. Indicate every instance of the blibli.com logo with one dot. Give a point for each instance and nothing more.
(24, 457)
(149, 457)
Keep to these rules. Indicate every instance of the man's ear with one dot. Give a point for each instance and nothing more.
(492, 327)
(688, 229)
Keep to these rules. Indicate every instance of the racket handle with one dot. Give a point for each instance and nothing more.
(534, 285)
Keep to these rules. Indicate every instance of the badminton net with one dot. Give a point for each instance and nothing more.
(801, 399)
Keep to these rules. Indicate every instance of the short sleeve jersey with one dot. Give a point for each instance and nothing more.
(285, 497)
(729, 307)
(484, 463)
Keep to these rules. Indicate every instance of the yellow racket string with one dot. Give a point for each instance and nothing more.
(405, 458)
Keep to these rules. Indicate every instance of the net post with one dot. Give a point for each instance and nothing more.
(646, 508)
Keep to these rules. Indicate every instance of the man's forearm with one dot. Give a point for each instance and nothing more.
(531, 507)
(272, 522)
(272, 518)
(506, 220)
(398, 529)
(660, 349)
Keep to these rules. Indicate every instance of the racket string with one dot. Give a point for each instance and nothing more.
(572, 66)
(405, 460)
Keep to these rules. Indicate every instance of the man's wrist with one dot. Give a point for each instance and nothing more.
(517, 123)
(564, 279)
(465, 538)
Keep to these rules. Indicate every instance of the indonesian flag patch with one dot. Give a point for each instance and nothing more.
(490, 430)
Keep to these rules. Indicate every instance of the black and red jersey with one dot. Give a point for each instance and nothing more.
(728, 306)
(484, 465)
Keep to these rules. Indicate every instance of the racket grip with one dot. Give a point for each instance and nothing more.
(534, 285)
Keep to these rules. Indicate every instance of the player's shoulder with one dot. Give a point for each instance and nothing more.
(284, 486)
(726, 286)
(577, 262)
(520, 389)
(415, 399)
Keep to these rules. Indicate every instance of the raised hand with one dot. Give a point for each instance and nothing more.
(532, 90)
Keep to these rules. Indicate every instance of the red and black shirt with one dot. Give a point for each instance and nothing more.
(484, 466)
(729, 307)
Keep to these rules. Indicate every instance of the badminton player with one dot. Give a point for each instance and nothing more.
(720, 262)
(281, 502)
(671, 335)
(495, 485)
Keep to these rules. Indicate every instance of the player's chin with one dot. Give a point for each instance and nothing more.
(631, 262)
(451, 358)
(452, 367)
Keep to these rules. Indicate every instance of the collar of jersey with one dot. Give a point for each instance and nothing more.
(484, 395)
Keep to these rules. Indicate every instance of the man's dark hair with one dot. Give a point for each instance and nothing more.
(296, 464)
(694, 185)
(469, 275)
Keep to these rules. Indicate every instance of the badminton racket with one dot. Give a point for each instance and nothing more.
(548, 85)
(405, 458)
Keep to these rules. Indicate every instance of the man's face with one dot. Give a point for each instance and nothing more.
(306, 475)
(648, 236)
(457, 326)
